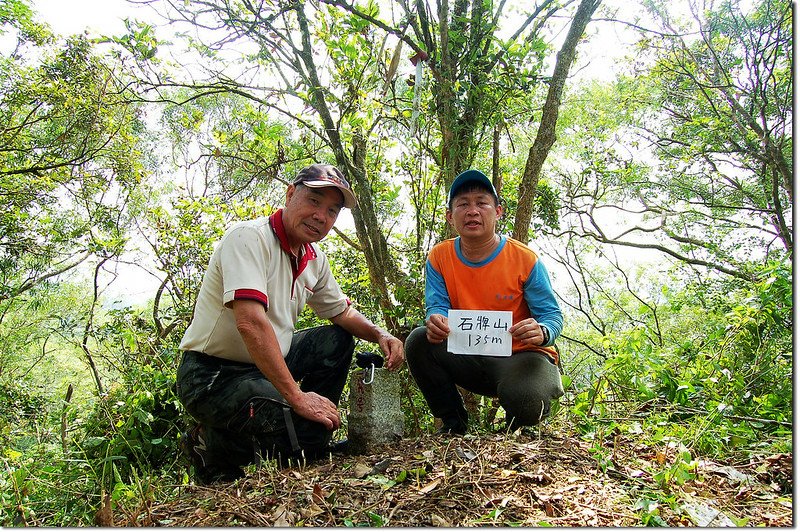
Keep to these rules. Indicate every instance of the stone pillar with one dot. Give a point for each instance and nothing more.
(375, 416)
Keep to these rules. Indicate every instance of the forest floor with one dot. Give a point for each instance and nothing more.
(496, 480)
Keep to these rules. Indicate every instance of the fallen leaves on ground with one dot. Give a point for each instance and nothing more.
(499, 480)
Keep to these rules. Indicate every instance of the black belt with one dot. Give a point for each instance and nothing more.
(200, 354)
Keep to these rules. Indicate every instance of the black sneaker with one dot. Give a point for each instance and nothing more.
(453, 429)
(193, 446)
(339, 447)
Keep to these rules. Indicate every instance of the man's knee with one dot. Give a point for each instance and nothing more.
(526, 411)
(332, 344)
(417, 345)
(342, 338)
(525, 403)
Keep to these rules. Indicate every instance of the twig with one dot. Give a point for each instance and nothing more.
(67, 399)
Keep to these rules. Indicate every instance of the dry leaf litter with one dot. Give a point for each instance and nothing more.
(496, 480)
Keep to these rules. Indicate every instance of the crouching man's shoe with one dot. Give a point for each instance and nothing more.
(453, 426)
(193, 445)
(339, 447)
(316, 453)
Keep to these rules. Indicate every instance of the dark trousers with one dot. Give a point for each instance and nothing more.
(525, 383)
(241, 412)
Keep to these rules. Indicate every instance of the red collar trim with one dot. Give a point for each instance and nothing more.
(307, 254)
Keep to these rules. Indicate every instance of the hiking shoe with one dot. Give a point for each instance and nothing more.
(458, 429)
(316, 453)
(193, 445)
(339, 447)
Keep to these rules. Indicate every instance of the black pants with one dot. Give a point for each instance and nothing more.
(241, 412)
(525, 383)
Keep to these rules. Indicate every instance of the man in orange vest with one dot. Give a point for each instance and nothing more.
(482, 270)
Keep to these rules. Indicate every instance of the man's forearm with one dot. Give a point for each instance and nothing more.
(358, 325)
(264, 348)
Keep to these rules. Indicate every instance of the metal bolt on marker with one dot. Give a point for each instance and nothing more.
(369, 361)
(371, 375)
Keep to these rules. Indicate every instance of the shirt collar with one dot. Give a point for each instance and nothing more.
(307, 252)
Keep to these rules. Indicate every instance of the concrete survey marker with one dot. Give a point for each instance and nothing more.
(375, 416)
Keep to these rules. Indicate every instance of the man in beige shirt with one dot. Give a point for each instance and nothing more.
(256, 386)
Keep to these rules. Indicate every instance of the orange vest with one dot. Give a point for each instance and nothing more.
(496, 285)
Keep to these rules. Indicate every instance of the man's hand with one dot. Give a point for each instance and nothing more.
(438, 328)
(393, 349)
(356, 324)
(527, 331)
(261, 342)
(317, 408)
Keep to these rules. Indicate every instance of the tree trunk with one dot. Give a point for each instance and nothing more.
(88, 329)
(376, 250)
(497, 177)
(546, 134)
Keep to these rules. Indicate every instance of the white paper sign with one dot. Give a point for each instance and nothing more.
(479, 332)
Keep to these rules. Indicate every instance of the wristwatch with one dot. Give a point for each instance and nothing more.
(545, 335)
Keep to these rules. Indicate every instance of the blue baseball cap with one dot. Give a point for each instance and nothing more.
(470, 176)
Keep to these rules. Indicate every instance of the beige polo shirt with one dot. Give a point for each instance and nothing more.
(253, 261)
